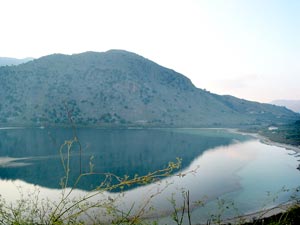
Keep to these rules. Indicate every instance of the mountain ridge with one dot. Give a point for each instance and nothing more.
(119, 88)
(7, 61)
(293, 105)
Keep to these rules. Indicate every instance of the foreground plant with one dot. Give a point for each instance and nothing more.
(93, 206)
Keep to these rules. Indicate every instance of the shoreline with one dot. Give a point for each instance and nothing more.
(262, 214)
(251, 216)
(267, 141)
(273, 211)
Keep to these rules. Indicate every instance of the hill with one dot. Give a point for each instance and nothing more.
(290, 104)
(5, 61)
(119, 88)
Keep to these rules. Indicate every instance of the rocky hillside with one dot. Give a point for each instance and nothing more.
(118, 88)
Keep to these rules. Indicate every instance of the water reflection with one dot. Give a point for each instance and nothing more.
(33, 153)
(241, 172)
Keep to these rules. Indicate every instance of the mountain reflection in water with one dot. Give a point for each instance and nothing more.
(34, 153)
(240, 172)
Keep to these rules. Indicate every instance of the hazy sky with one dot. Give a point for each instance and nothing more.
(246, 48)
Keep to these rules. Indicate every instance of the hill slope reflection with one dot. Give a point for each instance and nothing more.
(34, 152)
(240, 172)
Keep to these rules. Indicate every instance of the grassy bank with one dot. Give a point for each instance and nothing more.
(282, 133)
(291, 217)
(288, 134)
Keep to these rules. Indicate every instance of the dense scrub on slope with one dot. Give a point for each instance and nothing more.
(118, 88)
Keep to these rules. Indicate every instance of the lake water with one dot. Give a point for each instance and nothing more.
(230, 168)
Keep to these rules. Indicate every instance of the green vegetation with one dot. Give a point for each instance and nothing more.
(33, 209)
(282, 133)
(119, 88)
(286, 134)
(291, 217)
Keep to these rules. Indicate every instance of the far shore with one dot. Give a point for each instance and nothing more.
(267, 141)
(265, 213)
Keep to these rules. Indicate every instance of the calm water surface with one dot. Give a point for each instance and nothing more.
(229, 166)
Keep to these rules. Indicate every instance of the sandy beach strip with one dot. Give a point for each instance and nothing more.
(267, 141)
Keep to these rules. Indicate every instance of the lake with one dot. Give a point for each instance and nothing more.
(220, 168)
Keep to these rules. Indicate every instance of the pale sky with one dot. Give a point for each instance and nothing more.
(246, 48)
